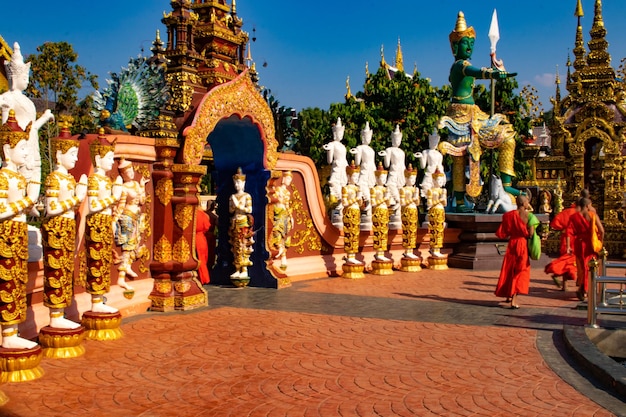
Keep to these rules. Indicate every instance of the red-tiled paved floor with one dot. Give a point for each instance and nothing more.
(232, 361)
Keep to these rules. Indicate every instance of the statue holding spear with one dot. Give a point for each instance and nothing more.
(470, 129)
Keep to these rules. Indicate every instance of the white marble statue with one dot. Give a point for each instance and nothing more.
(430, 161)
(336, 157)
(25, 112)
(364, 157)
(394, 162)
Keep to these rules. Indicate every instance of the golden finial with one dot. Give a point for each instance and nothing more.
(409, 171)
(399, 59)
(380, 170)
(579, 9)
(348, 93)
(461, 24)
(383, 64)
(11, 133)
(101, 146)
(461, 30)
(239, 175)
(352, 168)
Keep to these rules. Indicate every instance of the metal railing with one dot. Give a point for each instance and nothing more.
(598, 291)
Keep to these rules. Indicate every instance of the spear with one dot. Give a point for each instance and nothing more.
(494, 37)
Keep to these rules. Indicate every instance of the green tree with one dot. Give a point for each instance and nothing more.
(407, 100)
(56, 77)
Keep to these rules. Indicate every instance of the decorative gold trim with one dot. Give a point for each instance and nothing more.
(240, 97)
(183, 214)
(164, 190)
(163, 250)
(182, 250)
(197, 169)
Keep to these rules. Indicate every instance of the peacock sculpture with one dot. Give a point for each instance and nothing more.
(133, 98)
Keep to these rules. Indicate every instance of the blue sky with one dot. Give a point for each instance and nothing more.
(311, 48)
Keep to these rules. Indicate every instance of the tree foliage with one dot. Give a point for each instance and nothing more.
(57, 78)
(408, 101)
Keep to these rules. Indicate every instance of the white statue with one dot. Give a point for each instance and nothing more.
(364, 157)
(25, 112)
(394, 162)
(499, 200)
(336, 157)
(430, 160)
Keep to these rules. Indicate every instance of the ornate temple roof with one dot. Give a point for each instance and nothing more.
(5, 54)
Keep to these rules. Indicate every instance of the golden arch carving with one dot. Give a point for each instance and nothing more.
(241, 97)
(610, 145)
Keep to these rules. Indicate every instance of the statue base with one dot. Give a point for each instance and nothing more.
(240, 281)
(102, 326)
(410, 264)
(382, 267)
(438, 262)
(352, 271)
(20, 365)
(62, 343)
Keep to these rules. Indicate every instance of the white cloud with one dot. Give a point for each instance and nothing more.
(545, 79)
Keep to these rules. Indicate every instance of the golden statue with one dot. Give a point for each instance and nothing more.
(17, 197)
(436, 201)
(102, 195)
(241, 232)
(409, 200)
(352, 201)
(283, 218)
(381, 200)
(63, 196)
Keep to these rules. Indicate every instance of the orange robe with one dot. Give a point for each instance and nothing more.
(580, 229)
(565, 264)
(515, 273)
(203, 223)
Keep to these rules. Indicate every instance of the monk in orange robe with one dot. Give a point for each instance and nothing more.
(515, 273)
(580, 228)
(203, 223)
(565, 264)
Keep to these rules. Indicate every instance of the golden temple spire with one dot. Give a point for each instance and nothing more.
(598, 46)
(557, 81)
(367, 70)
(579, 45)
(383, 64)
(249, 56)
(233, 8)
(399, 59)
(579, 10)
(348, 92)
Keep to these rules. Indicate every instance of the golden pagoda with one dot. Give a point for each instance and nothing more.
(588, 134)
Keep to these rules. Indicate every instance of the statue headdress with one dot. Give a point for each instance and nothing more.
(101, 146)
(352, 168)
(16, 66)
(239, 175)
(64, 141)
(124, 164)
(396, 134)
(410, 171)
(338, 128)
(433, 139)
(367, 132)
(380, 170)
(287, 173)
(438, 174)
(461, 30)
(11, 133)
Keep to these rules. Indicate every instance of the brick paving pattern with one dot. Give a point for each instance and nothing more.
(433, 343)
